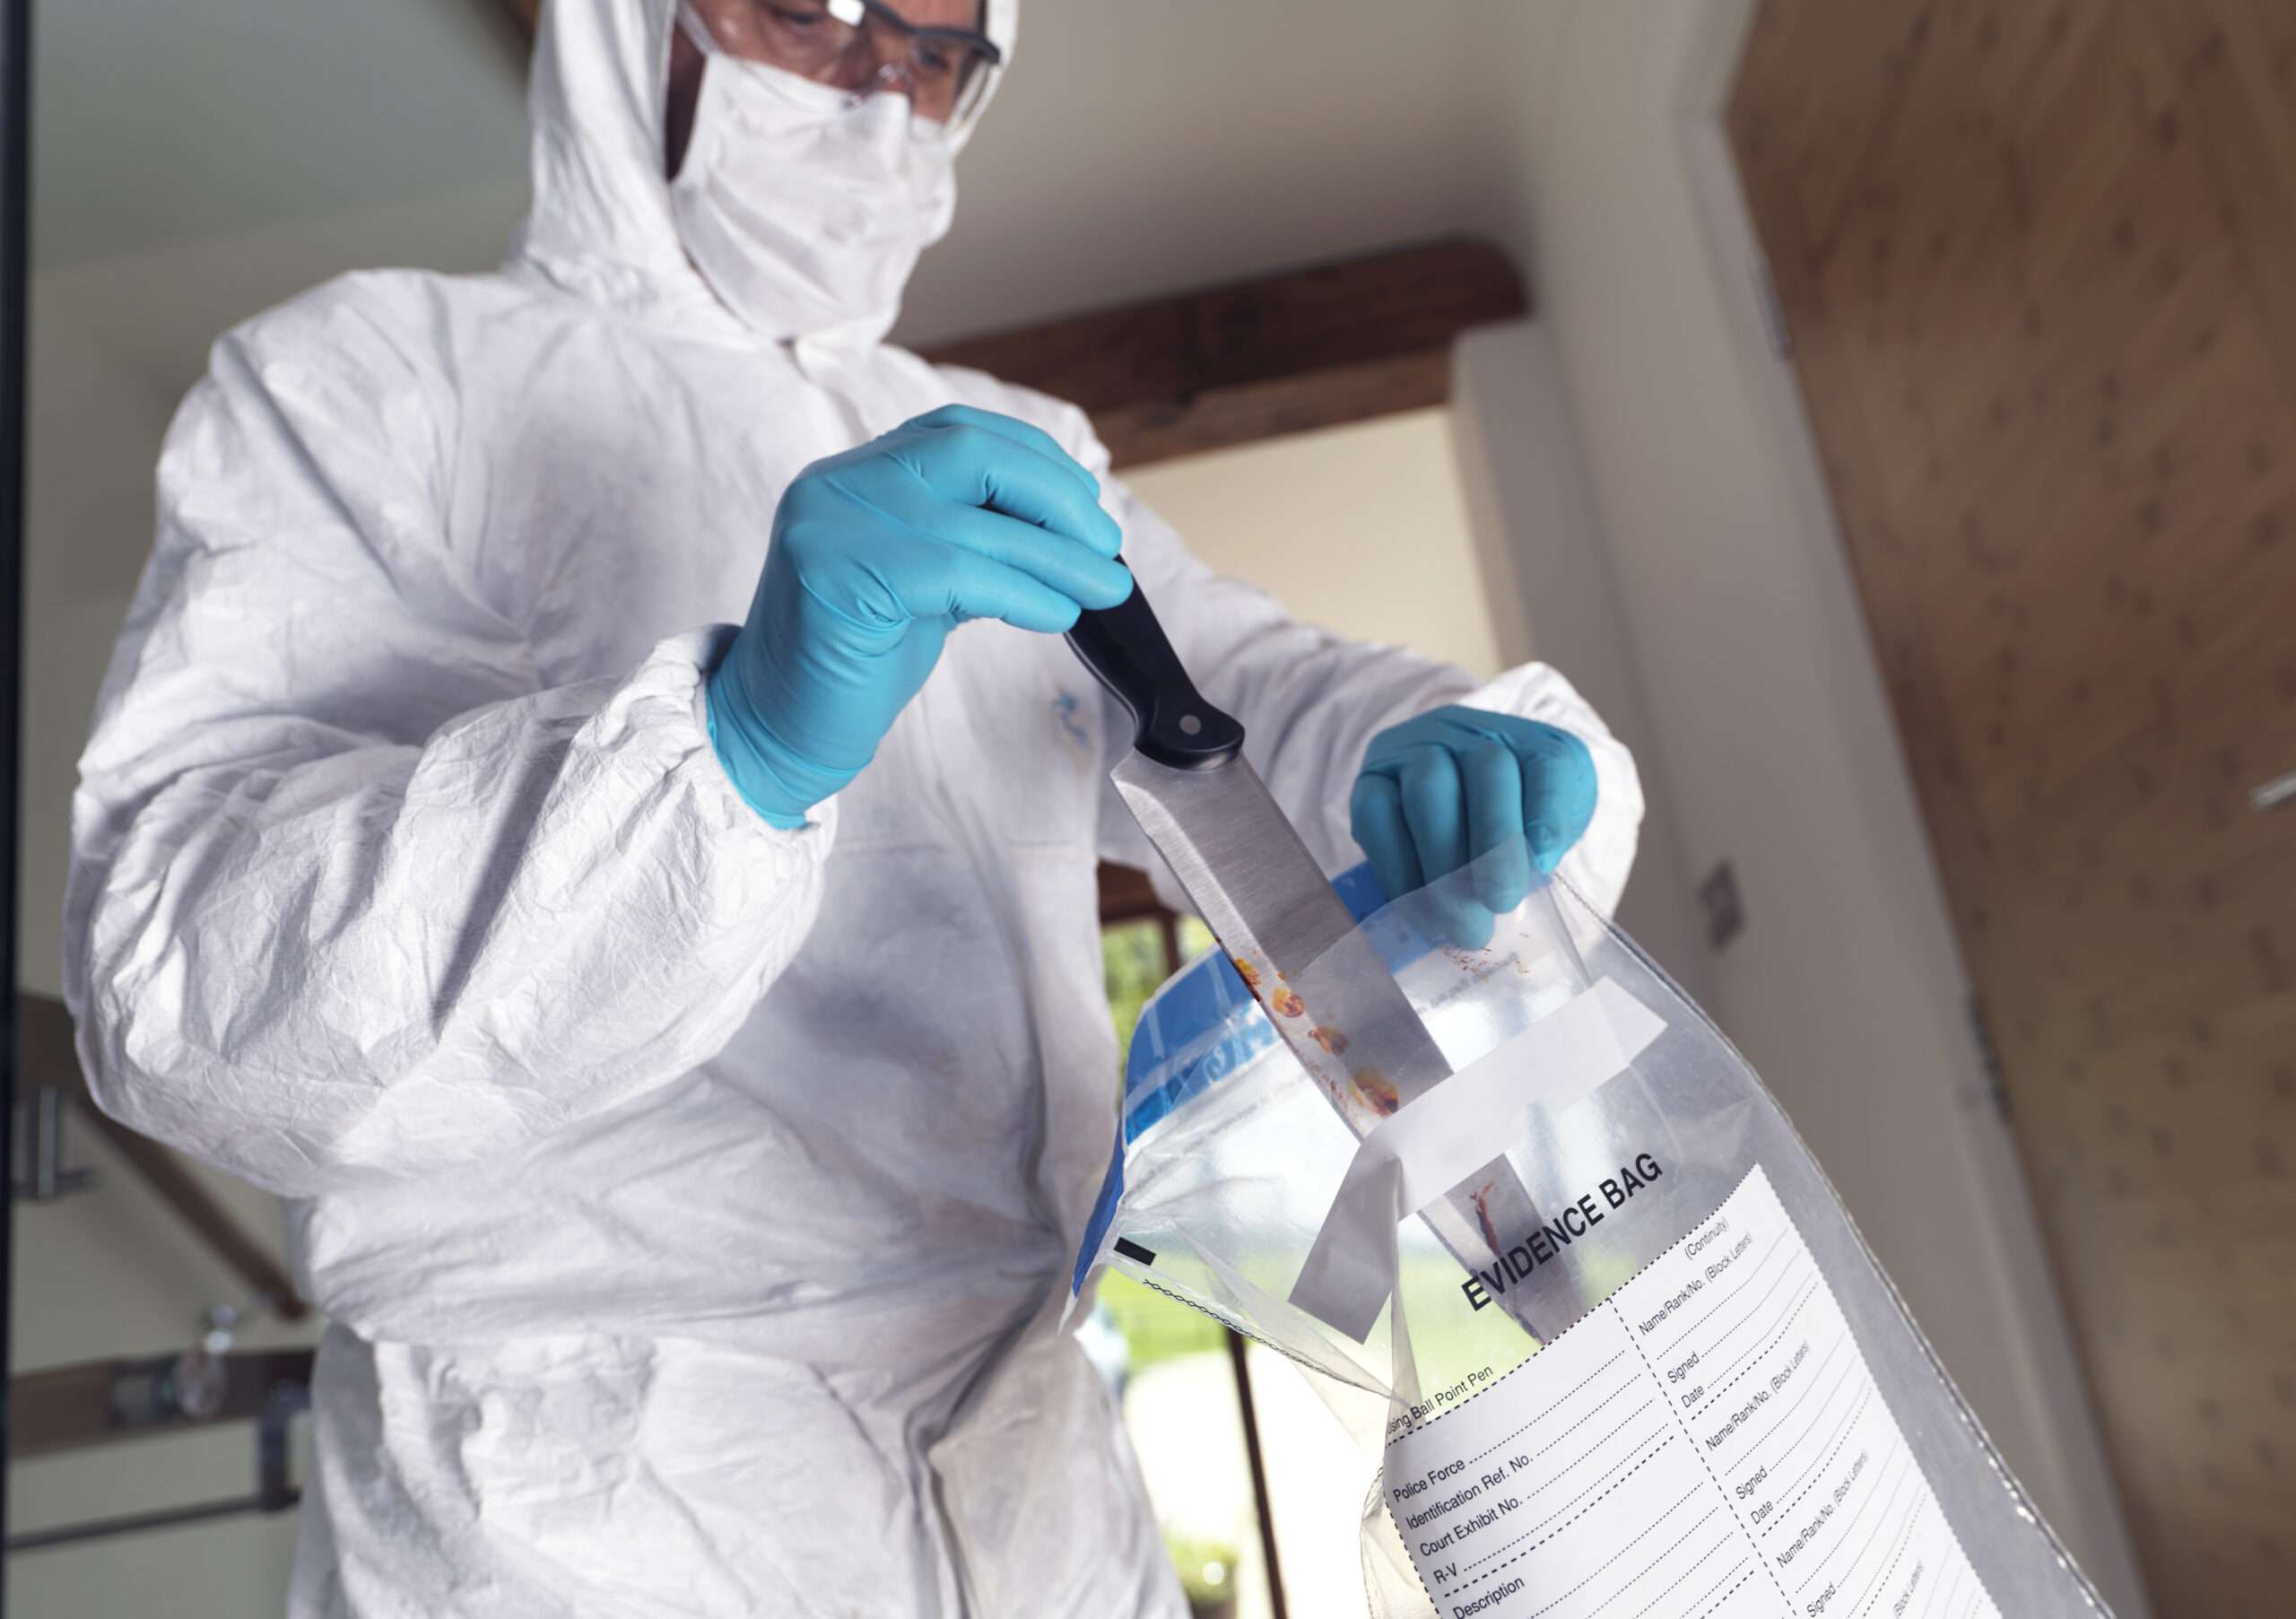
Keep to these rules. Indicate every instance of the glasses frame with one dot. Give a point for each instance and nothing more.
(861, 18)
(964, 39)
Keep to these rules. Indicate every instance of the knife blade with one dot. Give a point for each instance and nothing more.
(1246, 870)
(1266, 900)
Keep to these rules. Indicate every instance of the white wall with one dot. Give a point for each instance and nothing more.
(1362, 529)
(1141, 148)
(1540, 539)
(1770, 724)
(161, 125)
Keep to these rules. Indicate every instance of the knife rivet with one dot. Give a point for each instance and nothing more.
(1190, 724)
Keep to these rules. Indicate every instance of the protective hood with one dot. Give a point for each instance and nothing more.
(602, 226)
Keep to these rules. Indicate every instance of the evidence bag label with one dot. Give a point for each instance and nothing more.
(1707, 1444)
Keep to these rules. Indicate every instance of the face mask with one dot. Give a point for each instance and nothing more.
(804, 210)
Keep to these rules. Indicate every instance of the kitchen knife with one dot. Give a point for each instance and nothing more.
(1255, 883)
(1188, 783)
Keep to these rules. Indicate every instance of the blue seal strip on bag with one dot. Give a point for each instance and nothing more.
(1179, 1050)
(1359, 891)
(1103, 1211)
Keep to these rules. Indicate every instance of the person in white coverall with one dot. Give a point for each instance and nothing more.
(673, 1018)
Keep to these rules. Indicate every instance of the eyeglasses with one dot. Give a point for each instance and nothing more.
(863, 46)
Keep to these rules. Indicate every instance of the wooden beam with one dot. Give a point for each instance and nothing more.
(1126, 895)
(1275, 354)
(47, 1057)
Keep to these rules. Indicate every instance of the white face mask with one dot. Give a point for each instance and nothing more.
(804, 211)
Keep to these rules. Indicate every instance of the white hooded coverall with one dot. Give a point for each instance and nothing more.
(692, 1199)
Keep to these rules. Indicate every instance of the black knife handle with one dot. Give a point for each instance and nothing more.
(1125, 647)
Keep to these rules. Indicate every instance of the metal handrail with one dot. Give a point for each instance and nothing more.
(95, 1402)
(126, 1399)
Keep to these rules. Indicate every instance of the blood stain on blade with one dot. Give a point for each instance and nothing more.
(1378, 1092)
(1483, 1213)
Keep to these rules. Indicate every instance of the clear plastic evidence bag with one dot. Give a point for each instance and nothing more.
(1615, 1342)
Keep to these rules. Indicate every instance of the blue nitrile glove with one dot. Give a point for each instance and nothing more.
(877, 554)
(1456, 783)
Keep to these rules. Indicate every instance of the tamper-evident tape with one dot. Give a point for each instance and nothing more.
(1440, 1139)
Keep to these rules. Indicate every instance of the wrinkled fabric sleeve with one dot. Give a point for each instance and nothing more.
(353, 893)
(1310, 702)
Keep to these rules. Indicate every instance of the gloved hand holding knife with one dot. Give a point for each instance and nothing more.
(879, 552)
(1458, 786)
